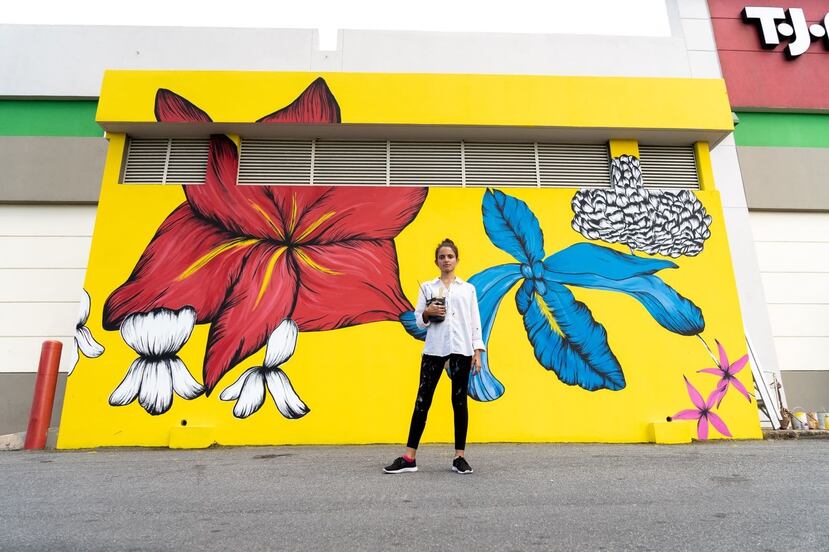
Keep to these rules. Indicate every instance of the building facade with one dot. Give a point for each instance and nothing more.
(777, 88)
(653, 96)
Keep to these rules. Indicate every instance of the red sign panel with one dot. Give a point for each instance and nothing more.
(773, 58)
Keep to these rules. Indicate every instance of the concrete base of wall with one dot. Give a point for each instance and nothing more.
(808, 389)
(16, 391)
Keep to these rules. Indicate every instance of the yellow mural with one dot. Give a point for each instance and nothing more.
(223, 269)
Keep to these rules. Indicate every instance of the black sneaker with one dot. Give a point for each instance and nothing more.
(460, 465)
(401, 465)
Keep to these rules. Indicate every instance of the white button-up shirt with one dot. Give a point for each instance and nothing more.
(460, 332)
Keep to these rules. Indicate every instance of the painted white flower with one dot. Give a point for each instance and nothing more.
(83, 337)
(249, 390)
(153, 377)
(670, 223)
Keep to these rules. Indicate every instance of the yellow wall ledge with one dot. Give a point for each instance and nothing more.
(420, 99)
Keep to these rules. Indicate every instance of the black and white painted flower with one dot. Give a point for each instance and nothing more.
(152, 378)
(249, 390)
(84, 342)
(670, 223)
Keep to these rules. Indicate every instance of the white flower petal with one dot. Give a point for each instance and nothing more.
(281, 344)
(83, 315)
(252, 395)
(160, 332)
(232, 392)
(72, 358)
(126, 392)
(87, 344)
(184, 384)
(156, 392)
(287, 401)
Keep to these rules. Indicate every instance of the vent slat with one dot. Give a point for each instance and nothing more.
(668, 167)
(402, 163)
(283, 162)
(166, 160)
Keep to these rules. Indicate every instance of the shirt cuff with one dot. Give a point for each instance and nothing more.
(420, 323)
(476, 345)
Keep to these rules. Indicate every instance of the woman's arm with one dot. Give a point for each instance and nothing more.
(475, 331)
(475, 322)
(421, 318)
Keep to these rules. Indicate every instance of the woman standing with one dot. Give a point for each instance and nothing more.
(448, 308)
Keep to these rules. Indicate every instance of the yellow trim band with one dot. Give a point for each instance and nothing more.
(623, 147)
(705, 171)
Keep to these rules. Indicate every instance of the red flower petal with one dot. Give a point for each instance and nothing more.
(172, 108)
(242, 210)
(315, 105)
(189, 262)
(336, 214)
(261, 298)
(346, 284)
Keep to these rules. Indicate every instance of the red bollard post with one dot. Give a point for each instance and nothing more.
(44, 397)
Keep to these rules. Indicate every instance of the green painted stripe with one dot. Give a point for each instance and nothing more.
(49, 118)
(792, 130)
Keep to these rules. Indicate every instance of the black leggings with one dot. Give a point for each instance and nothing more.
(430, 369)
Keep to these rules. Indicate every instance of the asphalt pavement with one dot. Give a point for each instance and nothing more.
(758, 496)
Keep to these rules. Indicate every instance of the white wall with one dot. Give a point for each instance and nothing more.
(45, 250)
(68, 61)
(793, 253)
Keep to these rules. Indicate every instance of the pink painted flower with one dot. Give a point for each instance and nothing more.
(702, 413)
(727, 372)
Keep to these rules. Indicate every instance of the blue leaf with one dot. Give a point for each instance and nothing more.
(589, 258)
(567, 340)
(511, 226)
(670, 309)
(491, 285)
(408, 321)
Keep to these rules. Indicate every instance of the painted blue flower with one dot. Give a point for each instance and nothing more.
(566, 339)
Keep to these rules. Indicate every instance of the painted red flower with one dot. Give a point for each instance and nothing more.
(245, 258)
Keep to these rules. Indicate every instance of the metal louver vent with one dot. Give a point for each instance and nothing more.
(350, 163)
(668, 167)
(422, 163)
(577, 166)
(500, 164)
(425, 164)
(275, 162)
(166, 160)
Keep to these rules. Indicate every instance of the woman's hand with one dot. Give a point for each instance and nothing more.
(435, 310)
(476, 362)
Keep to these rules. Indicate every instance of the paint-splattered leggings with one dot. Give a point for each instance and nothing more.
(430, 369)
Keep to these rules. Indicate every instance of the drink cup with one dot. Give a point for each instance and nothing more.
(440, 301)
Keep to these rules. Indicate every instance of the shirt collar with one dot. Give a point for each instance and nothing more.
(458, 280)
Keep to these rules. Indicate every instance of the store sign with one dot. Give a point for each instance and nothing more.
(774, 23)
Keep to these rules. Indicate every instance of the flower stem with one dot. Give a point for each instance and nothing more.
(710, 352)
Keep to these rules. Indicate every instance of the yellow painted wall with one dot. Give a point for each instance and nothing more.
(419, 99)
(360, 382)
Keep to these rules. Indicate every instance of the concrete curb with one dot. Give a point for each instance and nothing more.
(12, 441)
(786, 434)
(15, 441)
